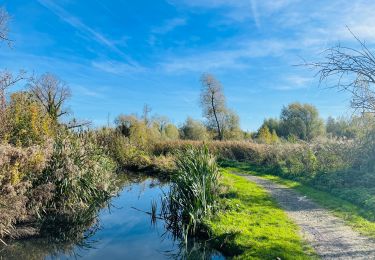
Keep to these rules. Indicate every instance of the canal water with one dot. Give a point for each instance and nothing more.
(122, 231)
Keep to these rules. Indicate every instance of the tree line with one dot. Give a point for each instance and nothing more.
(352, 67)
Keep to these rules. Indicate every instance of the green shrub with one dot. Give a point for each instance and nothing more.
(126, 154)
(28, 124)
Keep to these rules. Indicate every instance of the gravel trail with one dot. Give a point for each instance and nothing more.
(328, 235)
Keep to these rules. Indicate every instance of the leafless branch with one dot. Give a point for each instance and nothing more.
(354, 71)
(4, 30)
(78, 124)
(52, 93)
(7, 79)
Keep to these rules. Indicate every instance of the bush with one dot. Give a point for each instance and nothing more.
(19, 167)
(27, 122)
(126, 154)
(82, 174)
(66, 177)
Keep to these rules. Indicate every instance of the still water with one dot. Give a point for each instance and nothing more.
(123, 231)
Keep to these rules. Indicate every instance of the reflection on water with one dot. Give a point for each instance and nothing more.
(120, 232)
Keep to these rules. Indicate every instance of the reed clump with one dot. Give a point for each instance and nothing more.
(193, 196)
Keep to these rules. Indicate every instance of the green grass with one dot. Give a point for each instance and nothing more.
(252, 226)
(356, 217)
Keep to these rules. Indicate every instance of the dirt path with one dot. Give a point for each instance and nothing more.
(327, 234)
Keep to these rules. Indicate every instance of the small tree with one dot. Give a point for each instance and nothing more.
(193, 130)
(7, 79)
(171, 132)
(160, 122)
(29, 124)
(231, 126)
(264, 135)
(146, 114)
(273, 124)
(125, 122)
(213, 103)
(274, 137)
(301, 120)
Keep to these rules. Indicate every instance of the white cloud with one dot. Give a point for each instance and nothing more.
(294, 82)
(298, 80)
(81, 90)
(225, 59)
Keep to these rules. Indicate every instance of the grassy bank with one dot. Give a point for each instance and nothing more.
(362, 220)
(340, 168)
(251, 225)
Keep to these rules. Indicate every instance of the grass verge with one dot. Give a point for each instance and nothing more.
(356, 217)
(252, 226)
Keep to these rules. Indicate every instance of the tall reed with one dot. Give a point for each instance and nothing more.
(194, 191)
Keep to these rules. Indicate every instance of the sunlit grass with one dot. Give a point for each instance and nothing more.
(252, 226)
(356, 217)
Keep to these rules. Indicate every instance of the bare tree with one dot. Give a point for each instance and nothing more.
(160, 122)
(52, 93)
(4, 20)
(213, 103)
(353, 70)
(7, 80)
(145, 114)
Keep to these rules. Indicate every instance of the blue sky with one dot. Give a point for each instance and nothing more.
(118, 55)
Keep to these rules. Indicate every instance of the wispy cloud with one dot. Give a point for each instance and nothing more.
(293, 82)
(324, 20)
(169, 26)
(226, 59)
(239, 10)
(254, 10)
(118, 68)
(82, 90)
(76, 23)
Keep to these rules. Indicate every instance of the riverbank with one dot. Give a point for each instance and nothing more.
(251, 225)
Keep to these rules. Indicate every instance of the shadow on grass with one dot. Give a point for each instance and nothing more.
(224, 243)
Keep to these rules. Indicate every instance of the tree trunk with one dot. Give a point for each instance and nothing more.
(217, 121)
